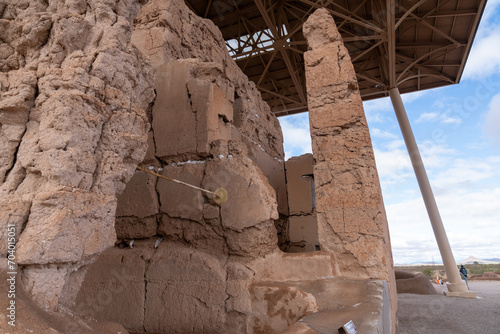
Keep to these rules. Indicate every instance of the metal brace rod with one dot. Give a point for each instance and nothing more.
(176, 181)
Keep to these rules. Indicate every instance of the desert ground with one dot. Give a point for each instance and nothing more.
(438, 314)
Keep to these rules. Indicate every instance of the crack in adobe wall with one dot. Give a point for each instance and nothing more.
(14, 160)
(147, 263)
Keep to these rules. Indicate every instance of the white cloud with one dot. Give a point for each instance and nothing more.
(296, 135)
(492, 123)
(489, 11)
(435, 154)
(382, 104)
(377, 133)
(451, 120)
(468, 196)
(484, 58)
(393, 161)
(478, 145)
(427, 116)
(413, 96)
(395, 144)
(436, 116)
(493, 159)
(393, 166)
(464, 177)
(471, 222)
(450, 109)
(376, 111)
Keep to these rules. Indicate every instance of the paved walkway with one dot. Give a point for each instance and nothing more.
(438, 314)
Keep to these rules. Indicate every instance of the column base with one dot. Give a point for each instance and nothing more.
(459, 290)
(467, 294)
(457, 287)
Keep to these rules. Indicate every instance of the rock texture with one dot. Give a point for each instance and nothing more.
(351, 218)
(73, 100)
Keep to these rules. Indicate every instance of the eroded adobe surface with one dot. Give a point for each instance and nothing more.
(351, 216)
(73, 100)
(77, 117)
(303, 225)
(210, 128)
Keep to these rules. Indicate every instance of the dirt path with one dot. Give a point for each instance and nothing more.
(438, 314)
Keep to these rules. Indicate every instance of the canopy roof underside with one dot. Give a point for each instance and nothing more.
(409, 44)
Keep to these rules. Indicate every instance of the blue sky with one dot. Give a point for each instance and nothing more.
(457, 129)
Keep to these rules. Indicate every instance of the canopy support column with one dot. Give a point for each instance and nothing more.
(456, 286)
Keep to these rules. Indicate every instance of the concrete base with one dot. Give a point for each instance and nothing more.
(459, 290)
(457, 287)
(461, 294)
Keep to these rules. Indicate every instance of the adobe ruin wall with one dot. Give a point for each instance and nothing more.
(352, 223)
(79, 114)
(73, 100)
(210, 128)
(302, 220)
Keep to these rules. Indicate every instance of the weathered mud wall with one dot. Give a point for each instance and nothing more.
(303, 225)
(75, 119)
(351, 217)
(198, 118)
(168, 30)
(194, 259)
(73, 100)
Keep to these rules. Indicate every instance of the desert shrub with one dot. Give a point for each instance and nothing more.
(480, 269)
(428, 272)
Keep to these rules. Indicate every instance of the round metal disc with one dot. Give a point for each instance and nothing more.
(220, 196)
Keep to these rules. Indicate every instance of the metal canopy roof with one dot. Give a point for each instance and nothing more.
(409, 44)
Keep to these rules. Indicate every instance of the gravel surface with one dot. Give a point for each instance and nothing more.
(438, 314)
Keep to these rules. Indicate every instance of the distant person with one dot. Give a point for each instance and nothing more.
(463, 271)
